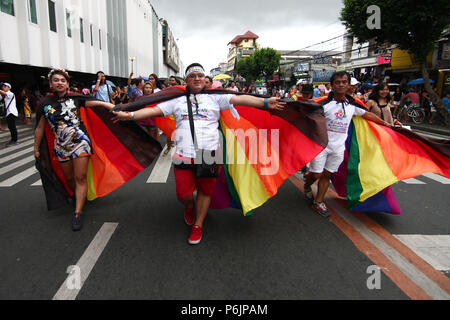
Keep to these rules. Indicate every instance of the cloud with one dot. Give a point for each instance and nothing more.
(204, 28)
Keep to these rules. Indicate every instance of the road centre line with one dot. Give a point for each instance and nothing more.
(406, 269)
(87, 262)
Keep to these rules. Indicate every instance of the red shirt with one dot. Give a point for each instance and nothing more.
(414, 96)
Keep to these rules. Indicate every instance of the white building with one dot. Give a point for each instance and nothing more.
(86, 36)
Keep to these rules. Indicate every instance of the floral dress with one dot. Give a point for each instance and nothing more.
(71, 139)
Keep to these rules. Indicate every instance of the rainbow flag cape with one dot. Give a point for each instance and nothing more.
(121, 151)
(260, 150)
(377, 157)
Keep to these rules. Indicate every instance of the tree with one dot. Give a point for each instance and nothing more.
(262, 63)
(413, 27)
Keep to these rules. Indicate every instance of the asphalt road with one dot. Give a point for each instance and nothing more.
(283, 252)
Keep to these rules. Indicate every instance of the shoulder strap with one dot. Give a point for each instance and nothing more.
(10, 101)
(191, 120)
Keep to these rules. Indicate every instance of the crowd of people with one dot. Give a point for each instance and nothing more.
(340, 100)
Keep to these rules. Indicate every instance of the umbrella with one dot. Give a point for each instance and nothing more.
(417, 81)
(222, 77)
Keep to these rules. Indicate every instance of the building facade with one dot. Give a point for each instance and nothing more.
(114, 36)
(240, 47)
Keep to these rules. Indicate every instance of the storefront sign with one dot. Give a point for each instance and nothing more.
(386, 59)
(323, 75)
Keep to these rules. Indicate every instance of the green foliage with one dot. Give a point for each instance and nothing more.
(414, 26)
(262, 63)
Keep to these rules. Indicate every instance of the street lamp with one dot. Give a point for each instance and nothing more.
(132, 61)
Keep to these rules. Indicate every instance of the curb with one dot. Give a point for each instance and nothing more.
(441, 131)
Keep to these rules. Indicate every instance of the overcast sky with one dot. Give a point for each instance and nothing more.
(205, 27)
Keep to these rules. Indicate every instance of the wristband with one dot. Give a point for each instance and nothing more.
(132, 115)
(266, 103)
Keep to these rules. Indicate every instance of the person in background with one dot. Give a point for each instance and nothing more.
(380, 103)
(208, 82)
(397, 97)
(149, 124)
(156, 83)
(446, 100)
(174, 81)
(138, 89)
(233, 87)
(354, 83)
(102, 90)
(11, 112)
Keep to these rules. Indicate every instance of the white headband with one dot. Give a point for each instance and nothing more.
(194, 69)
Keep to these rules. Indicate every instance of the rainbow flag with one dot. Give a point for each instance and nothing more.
(121, 151)
(377, 157)
(260, 150)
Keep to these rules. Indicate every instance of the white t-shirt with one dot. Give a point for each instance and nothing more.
(338, 122)
(206, 121)
(235, 89)
(12, 107)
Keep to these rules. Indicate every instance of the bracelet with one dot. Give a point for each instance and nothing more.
(132, 115)
(266, 103)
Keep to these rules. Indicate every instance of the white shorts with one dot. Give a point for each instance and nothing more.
(328, 160)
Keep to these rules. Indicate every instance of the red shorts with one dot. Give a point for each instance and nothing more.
(187, 183)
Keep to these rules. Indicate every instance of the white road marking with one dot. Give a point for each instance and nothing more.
(16, 155)
(8, 134)
(18, 177)
(161, 170)
(87, 261)
(417, 276)
(434, 249)
(37, 183)
(413, 181)
(22, 143)
(16, 165)
(437, 177)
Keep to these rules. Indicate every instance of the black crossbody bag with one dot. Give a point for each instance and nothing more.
(201, 168)
(4, 110)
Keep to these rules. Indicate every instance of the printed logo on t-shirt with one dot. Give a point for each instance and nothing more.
(199, 112)
(340, 115)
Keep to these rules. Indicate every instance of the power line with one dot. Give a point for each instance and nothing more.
(325, 41)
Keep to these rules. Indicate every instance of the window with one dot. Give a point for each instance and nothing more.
(52, 15)
(7, 6)
(32, 11)
(100, 39)
(69, 27)
(92, 35)
(81, 30)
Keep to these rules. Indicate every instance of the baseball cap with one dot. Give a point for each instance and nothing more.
(7, 84)
(354, 82)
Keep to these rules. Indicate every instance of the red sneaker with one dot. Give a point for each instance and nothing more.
(196, 235)
(189, 216)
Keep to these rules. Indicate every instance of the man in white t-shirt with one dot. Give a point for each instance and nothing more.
(206, 113)
(11, 111)
(339, 110)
